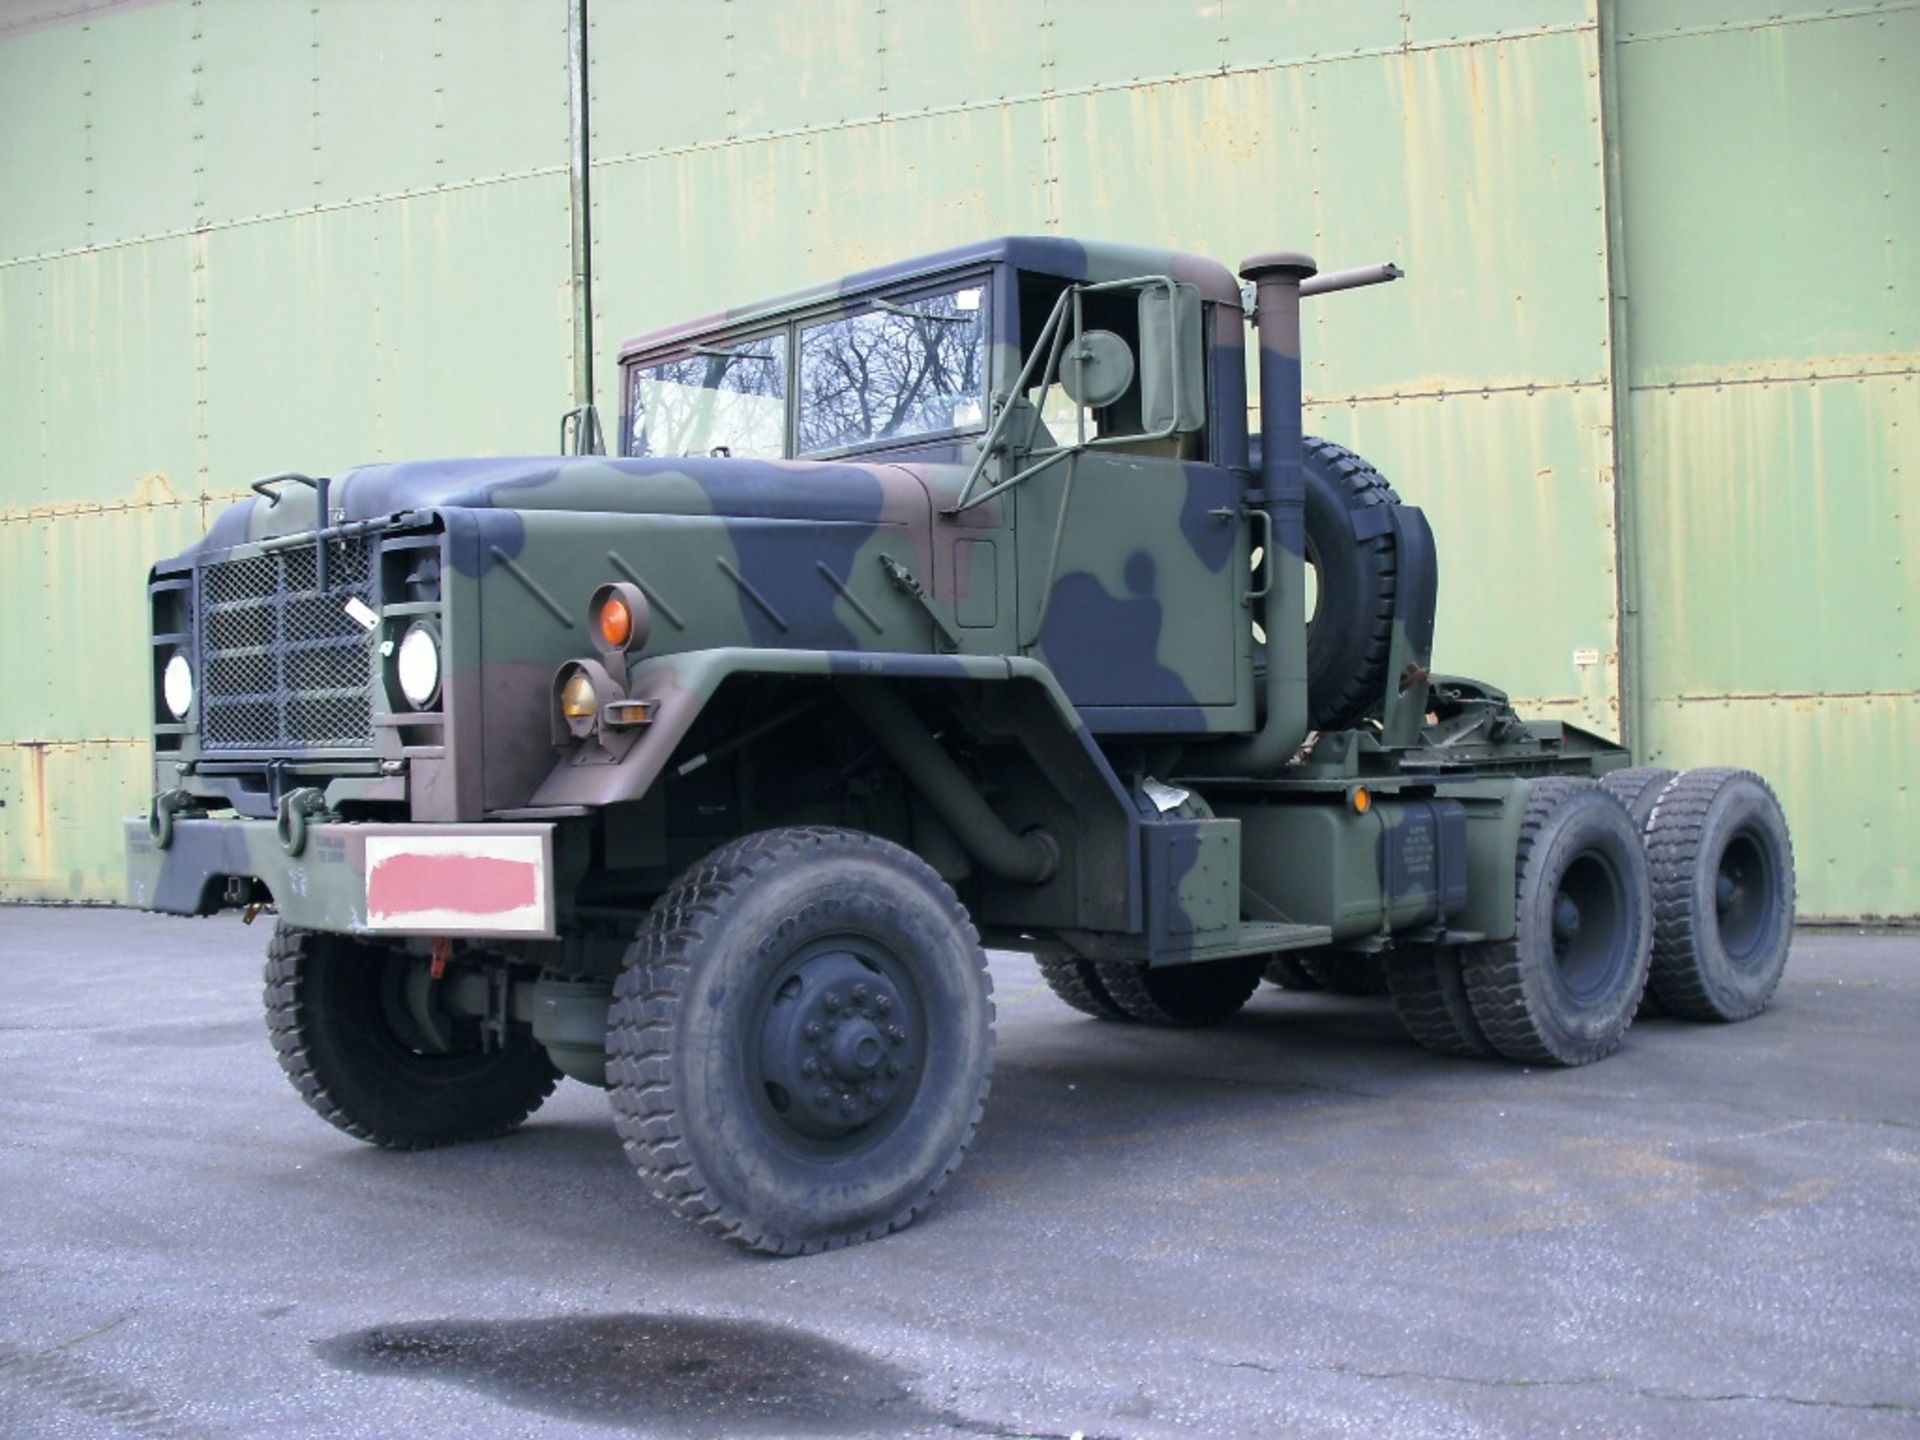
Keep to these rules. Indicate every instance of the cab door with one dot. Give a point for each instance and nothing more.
(1131, 587)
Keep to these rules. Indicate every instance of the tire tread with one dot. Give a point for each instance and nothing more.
(642, 1024)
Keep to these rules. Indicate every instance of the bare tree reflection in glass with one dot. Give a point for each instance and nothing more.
(912, 367)
(714, 402)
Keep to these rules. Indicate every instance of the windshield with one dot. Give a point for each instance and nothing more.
(728, 400)
(913, 366)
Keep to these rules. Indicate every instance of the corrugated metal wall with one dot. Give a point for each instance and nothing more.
(1662, 264)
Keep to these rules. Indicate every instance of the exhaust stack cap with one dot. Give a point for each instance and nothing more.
(1289, 262)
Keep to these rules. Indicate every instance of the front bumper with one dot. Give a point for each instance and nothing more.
(480, 881)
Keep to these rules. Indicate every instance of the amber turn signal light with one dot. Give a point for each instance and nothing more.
(616, 623)
(619, 618)
(1361, 799)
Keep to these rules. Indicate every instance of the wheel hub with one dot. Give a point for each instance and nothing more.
(1566, 918)
(1743, 896)
(835, 1046)
(1726, 892)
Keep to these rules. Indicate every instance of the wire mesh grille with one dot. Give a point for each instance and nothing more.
(284, 667)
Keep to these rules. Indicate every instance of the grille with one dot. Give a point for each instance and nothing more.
(283, 667)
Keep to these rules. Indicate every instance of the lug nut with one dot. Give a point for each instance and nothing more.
(883, 1003)
(831, 1000)
(846, 1104)
(812, 1032)
(859, 994)
(823, 1097)
(809, 1066)
(896, 1035)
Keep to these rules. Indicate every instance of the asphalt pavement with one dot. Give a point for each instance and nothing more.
(1297, 1224)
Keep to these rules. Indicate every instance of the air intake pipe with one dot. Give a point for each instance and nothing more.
(1282, 494)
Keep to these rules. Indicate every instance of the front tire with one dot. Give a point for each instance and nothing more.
(801, 1040)
(350, 1047)
(1564, 989)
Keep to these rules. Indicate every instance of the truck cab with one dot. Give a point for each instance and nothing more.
(1133, 424)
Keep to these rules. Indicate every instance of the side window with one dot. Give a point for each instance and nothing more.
(714, 400)
(916, 366)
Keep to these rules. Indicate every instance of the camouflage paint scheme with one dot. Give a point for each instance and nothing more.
(1074, 636)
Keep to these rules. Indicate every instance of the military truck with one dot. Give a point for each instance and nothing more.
(952, 605)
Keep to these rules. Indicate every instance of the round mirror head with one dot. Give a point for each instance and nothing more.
(1098, 370)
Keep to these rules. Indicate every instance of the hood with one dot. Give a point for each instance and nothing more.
(692, 485)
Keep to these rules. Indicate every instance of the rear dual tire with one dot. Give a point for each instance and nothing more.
(1180, 997)
(1430, 998)
(1723, 894)
(1564, 989)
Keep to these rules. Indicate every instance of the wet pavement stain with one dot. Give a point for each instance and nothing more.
(690, 1374)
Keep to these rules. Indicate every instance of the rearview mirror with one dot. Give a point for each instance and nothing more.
(1173, 391)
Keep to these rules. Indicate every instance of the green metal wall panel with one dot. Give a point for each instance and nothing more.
(940, 56)
(289, 376)
(501, 73)
(23, 321)
(43, 157)
(115, 376)
(1084, 42)
(1652, 19)
(254, 103)
(801, 65)
(659, 74)
(1806, 262)
(314, 234)
(374, 101)
(62, 788)
(1482, 175)
(1781, 537)
(474, 345)
(74, 650)
(140, 122)
(1436, 21)
(1773, 258)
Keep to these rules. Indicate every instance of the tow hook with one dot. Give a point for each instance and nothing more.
(166, 805)
(297, 807)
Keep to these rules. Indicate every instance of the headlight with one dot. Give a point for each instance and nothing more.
(577, 698)
(418, 665)
(176, 685)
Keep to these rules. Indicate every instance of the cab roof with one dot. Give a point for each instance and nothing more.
(1043, 254)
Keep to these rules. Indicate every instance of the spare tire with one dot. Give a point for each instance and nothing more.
(1356, 569)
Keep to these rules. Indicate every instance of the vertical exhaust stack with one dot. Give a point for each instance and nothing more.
(1276, 278)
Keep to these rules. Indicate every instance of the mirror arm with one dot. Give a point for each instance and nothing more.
(994, 431)
(1051, 337)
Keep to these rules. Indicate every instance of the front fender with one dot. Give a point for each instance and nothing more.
(680, 687)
